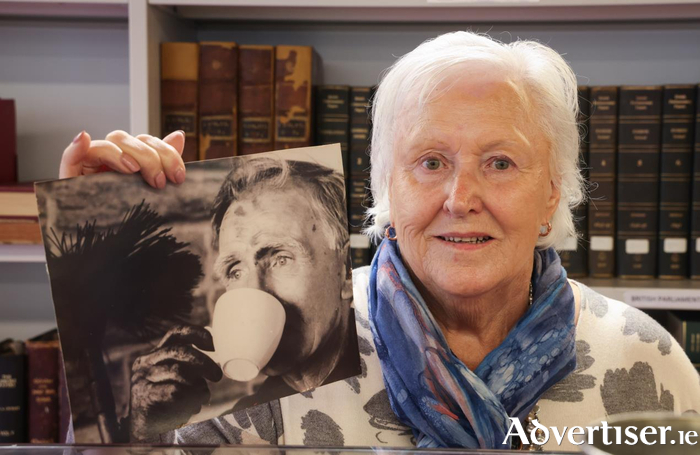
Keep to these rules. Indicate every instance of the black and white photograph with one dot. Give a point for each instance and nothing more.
(180, 305)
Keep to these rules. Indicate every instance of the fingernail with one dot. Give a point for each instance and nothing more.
(180, 176)
(160, 180)
(77, 138)
(182, 132)
(130, 163)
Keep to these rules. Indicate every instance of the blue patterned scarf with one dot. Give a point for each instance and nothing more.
(433, 392)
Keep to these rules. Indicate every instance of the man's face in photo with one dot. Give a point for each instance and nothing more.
(272, 239)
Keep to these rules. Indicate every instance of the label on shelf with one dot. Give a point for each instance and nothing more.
(602, 243)
(359, 241)
(570, 244)
(678, 299)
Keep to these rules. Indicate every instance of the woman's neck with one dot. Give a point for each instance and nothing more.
(474, 326)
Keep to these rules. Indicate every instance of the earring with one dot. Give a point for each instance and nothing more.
(390, 233)
(547, 230)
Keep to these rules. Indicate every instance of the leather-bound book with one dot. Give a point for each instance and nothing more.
(179, 65)
(358, 195)
(695, 198)
(8, 142)
(574, 255)
(218, 100)
(13, 392)
(42, 385)
(333, 118)
(639, 145)
(293, 82)
(678, 118)
(256, 99)
(602, 152)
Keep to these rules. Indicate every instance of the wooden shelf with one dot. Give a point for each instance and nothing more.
(425, 11)
(22, 253)
(649, 294)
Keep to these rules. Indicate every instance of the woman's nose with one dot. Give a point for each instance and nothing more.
(463, 194)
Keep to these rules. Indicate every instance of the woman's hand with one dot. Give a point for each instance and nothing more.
(156, 159)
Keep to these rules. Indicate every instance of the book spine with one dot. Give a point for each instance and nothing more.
(695, 198)
(178, 93)
(358, 196)
(602, 163)
(256, 92)
(13, 399)
(20, 231)
(293, 82)
(8, 142)
(42, 378)
(218, 100)
(332, 118)
(678, 117)
(639, 144)
(574, 256)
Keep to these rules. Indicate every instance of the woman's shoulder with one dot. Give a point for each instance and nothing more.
(625, 349)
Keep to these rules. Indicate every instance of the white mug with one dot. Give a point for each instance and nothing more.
(246, 327)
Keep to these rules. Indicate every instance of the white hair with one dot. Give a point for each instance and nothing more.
(539, 71)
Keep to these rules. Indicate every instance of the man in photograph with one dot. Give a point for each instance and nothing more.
(279, 226)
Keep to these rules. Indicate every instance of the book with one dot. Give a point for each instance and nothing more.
(358, 182)
(685, 328)
(218, 99)
(602, 155)
(695, 197)
(293, 83)
(678, 117)
(256, 96)
(333, 118)
(639, 144)
(8, 142)
(19, 215)
(13, 392)
(42, 388)
(179, 65)
(574, 256)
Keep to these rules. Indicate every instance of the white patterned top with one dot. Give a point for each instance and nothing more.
(625, 362)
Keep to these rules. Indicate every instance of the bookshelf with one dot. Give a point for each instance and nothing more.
(94, 65)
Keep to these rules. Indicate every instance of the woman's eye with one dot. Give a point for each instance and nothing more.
(432, 164)
(281, 261)
(501, 165)
(235, 274)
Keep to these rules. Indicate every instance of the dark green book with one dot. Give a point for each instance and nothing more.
(685, 328)
(332, 118)
(574, 255)
(677, 123)
(601, 173)
(639, 145)
(13, 392)
(695, 198)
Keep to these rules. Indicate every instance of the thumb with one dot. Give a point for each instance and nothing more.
(177, 140)
(74, 156)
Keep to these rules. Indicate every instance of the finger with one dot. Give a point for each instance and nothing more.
(180, 373)
(171, 160)
(186, 354)
(73, 156)
(103, 154)
(188, 334)
(147, 158)
(177, 140)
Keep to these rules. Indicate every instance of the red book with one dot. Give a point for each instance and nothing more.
(8, 142)
(42, 376)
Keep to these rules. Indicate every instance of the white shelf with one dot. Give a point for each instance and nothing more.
(22, 253)
(66, 8)
(422, 11)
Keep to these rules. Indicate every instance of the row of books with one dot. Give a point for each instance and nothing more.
(34, 403)
(641, 157)
(238, 100)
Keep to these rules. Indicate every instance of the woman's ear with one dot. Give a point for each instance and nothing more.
(553, 201)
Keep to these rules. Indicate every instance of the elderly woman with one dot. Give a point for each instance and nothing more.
(466, 317)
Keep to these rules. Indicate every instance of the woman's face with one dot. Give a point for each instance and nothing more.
(471, 187)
